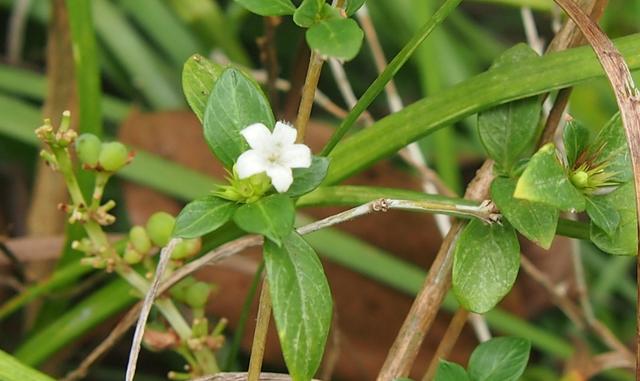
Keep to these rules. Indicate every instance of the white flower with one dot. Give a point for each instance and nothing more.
(274, 153)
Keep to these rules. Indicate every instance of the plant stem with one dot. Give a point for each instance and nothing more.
(448, 341)
(308, 94)
(379, 84)
(260, 335)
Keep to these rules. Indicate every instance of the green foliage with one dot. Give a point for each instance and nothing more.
(499, 359)
(269, 7)
(339, 38)
(536, 221)
(302, 304)
(545, 180)
(450, 371)
(353, 6)
(308, 13)
(614, 151)
(485, 265)
(235, 103)
(199, 75)
(203, 216)
(624, 239)
(271, 216)
(307, 179)
(576, 139)
(13, 370)
(508, 131)
(603, 214)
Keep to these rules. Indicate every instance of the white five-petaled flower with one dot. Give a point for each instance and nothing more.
(274, 153)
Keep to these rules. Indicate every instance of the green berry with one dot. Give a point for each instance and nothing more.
(113, 156)
(88, 148)
(159, 227)
(132, 256)
(197, 294)
(580, 179)
(140, 239)
(187, 248)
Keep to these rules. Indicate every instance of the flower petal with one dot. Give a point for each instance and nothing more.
(284, 134)
(296, 156)
(257, 135)
(281, 177)
(250, 163)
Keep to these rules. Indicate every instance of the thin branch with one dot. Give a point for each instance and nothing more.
(260, 333)
(308, 94)
(165, 256)
(344, 86)
(531, 31)
(242, 376)
(15, 32)
(448, 341)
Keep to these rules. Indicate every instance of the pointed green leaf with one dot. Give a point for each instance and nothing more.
(536, 221)
(13, 370)
(339, 38)
(615, 152)
(302, 304)
(485, 265)
(308, 12)
(269, 7)
(450, 371)
(198, 77)
(353, 6)
(545, 180)
(603, 214)
(271, 216)
(307, 179)
(508, 131)
(576, 139)
(203, 216)
(499, 359)
(624, 240)
(235, 103)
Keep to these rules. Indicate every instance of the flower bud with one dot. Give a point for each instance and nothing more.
(113, 156)
(580, 179)
(159, 227)
(88, 147)
(140, 239)
(179, 290)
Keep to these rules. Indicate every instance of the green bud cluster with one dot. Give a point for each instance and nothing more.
(246, 190)
(105, 156)
(192, 292)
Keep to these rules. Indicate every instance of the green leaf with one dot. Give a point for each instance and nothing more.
(308, 12)
(271, 216)
(203, 216)
(576, 139)
(508, 131)
(499, 359)
(603, 214)
(307, 179)
(450, 371)
(13, 370)
(536, 221)
(199, 75)
(485, 265)
(302, 304)
(615, 152)
(339, 38)
(269, 7)
(235, 103)
(353, 6)
(624, 240)
(545, 180)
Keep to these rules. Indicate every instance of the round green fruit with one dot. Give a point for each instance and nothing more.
(186, 249)
(140, 239)
(159, 227)
(113, 156)
(88, 147)
(197, 294)
(132, 256)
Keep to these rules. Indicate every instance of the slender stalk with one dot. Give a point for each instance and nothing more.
(448, 341)
(308, 94)
(379, 84)
(260, 335)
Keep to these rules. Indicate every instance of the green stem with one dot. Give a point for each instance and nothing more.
(394, 66)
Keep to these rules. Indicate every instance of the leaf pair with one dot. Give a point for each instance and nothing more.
(499, 359)
(329, 33)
